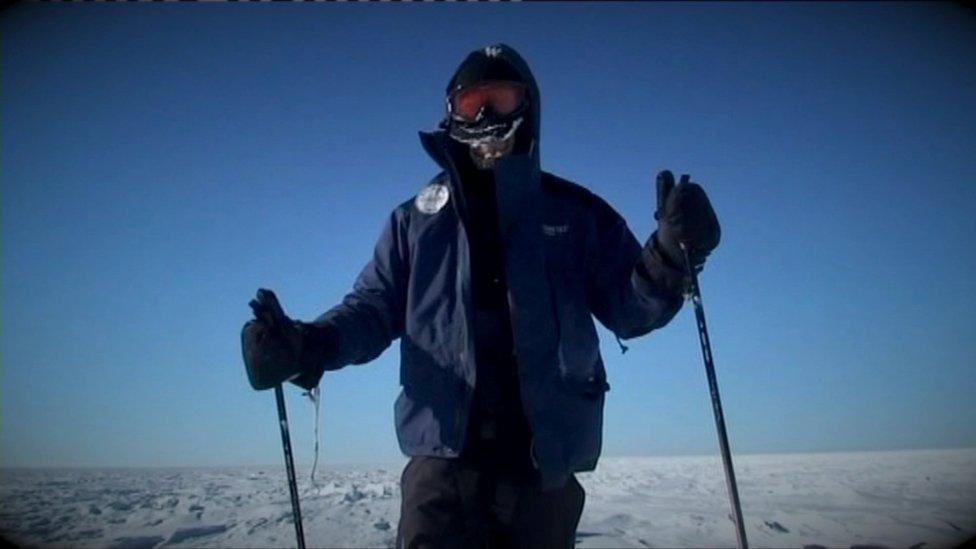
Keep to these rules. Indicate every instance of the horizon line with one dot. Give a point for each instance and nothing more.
(404, 458)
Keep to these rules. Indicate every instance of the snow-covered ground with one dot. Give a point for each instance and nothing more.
(897, 499)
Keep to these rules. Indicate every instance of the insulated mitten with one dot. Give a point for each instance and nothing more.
(278, 349)
(684, 215)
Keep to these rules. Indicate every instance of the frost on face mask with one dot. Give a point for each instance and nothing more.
(487, 142)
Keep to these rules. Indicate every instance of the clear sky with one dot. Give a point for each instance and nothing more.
(161, 162)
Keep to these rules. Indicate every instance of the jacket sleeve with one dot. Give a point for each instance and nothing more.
(371, 316)
(630, 290)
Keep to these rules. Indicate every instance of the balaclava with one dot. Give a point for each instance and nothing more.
(490, 134)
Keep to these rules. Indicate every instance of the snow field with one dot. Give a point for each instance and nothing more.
(894, 499)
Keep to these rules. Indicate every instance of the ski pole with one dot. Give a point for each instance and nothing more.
(289, 465)
(723, 438)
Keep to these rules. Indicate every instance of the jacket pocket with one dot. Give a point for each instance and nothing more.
(578, 343)
(592, 386)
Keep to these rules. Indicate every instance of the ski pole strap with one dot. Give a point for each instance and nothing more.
(313, 394)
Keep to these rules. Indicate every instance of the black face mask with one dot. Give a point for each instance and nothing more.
(489, 137)
(487, 108)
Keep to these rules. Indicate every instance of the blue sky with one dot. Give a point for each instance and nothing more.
(160, 163)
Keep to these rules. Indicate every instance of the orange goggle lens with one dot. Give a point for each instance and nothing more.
(503, 97)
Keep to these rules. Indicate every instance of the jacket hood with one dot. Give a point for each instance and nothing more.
(499, 59)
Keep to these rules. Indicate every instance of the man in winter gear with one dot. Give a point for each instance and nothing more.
(490, 277)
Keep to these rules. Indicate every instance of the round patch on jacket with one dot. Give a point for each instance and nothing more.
(432, 198)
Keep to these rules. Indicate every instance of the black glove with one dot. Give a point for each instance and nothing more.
(277, 348)
(684, 215)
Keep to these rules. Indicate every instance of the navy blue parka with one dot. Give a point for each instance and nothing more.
(568, 256)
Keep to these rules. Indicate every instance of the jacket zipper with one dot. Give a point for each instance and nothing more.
(459, 418)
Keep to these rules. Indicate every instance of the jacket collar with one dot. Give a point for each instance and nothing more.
(517, 180)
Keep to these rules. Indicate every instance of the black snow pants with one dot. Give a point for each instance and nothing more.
(451, 503)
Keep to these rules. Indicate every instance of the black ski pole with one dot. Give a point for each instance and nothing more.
(723, 438)
(289, 465)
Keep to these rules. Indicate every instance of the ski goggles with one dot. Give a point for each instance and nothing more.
(503, 97)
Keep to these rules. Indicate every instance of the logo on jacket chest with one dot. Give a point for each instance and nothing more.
(432, 198)
(555, 230)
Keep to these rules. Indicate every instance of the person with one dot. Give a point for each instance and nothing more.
(490, 277)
